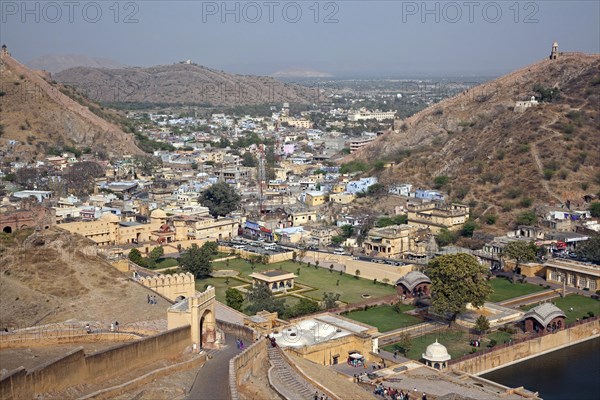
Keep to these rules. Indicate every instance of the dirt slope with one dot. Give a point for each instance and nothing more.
(54, 276)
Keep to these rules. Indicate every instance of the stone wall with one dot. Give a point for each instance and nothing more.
(504, 355)
(171, 286)
(76, 368)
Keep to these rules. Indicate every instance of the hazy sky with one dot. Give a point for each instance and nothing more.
(341, 37)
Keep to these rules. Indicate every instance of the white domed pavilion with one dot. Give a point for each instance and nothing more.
(436, 355)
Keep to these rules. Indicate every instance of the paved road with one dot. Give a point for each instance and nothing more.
(212, 381)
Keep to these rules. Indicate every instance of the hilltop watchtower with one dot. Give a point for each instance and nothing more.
(5, 51)
(554, 52)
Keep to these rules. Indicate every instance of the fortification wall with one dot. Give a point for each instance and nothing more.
(76, 368)
(171, 286)
(502, 356)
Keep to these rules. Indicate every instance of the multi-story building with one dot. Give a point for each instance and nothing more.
(202, 228)
(363, 115)
(395, 241)
(436, 216)
(355, 144)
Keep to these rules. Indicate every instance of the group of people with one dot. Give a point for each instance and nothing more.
(114, 326)
(322, 397)
(396, 394)
(152, 299)
(240, 344)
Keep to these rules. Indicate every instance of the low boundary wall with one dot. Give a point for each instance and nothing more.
(76, 368)
(507, 354)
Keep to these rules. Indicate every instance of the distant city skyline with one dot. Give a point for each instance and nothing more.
(344, 38)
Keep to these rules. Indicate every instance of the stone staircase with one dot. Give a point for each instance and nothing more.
(286, 380)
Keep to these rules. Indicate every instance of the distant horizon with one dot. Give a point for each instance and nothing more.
(343, 38)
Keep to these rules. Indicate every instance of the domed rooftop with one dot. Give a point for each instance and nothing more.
(158, 213)
(436, 352)
(544, 313)
(109, 217)
(412, 279)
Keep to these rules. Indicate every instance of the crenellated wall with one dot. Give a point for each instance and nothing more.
(171, 286)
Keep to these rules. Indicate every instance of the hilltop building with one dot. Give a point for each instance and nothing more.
(554, 53)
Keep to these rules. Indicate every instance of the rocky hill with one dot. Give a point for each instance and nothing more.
(40, 114)
(182, 84)
(53, 276)
(57, 62)
(479, 148)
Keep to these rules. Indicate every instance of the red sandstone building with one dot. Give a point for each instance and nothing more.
(545, 317)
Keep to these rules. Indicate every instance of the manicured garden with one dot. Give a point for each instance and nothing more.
(505, 289)
(457, 343)
(581, 306)
(385, 318)
(323, 280)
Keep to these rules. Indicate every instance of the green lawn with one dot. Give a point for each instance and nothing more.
(221, 287)
(504, 289)
(349, 288)
(166, 263)
(385, 318)
(456, 341)
(580, 304)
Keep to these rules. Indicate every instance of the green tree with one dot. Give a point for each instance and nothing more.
(482, 325)
(249, 160)
(590, 249)
(156, 253)
(303, 307)
(261, 298)
(519, 251)
(330, 299)
(440, 181)
(445, 237)
(595, 209)
(337, 239)
(331, 266)
(135, 256)
(527, 218)
(197, 261)
(234, 298)
(357, 273)
(221, 199)
(457, 279)
(404, 343)
(347, 230)
(468, 228)
(211, 247)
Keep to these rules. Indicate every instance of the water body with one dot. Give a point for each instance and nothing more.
(572, 373)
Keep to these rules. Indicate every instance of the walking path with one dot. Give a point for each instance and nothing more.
(212, 381)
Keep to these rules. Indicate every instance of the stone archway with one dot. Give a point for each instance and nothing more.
(207, 330)
(203, 320)
(7, 229)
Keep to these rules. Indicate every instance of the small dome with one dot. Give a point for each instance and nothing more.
(436, 352)
(555, 44)
(109, 217)
(158, 213)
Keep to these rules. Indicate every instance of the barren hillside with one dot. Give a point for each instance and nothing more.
(182, 84)
(54, 276)
(39, 116)
(502, 159)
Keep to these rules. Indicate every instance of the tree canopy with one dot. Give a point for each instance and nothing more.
(261, 298)
(520, 251)
(590, 249)
(221, 199)
(457, 279)
(234, 298)
(197, 260)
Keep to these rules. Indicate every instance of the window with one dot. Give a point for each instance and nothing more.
(592, 284)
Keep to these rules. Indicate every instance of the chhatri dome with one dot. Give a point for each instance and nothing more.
(158, 213)
(436, 355)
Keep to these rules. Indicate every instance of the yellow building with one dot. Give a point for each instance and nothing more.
(110, 230)
(197, 227)
(577, 274)
(315, 198)
(395, 240)
(299, 218)
(342, 198)
(436, 217)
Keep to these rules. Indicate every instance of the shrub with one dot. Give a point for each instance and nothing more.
(526, 202)
(491, 219)
(440, 181)
(590, 314)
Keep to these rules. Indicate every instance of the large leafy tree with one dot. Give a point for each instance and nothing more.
(261, 298)
(303, 307)
(457, 279)
(590, 249)
(330, 300)
(197, 261)
(221, 199)
(520, 251)
(80, 176)
(234, 298)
